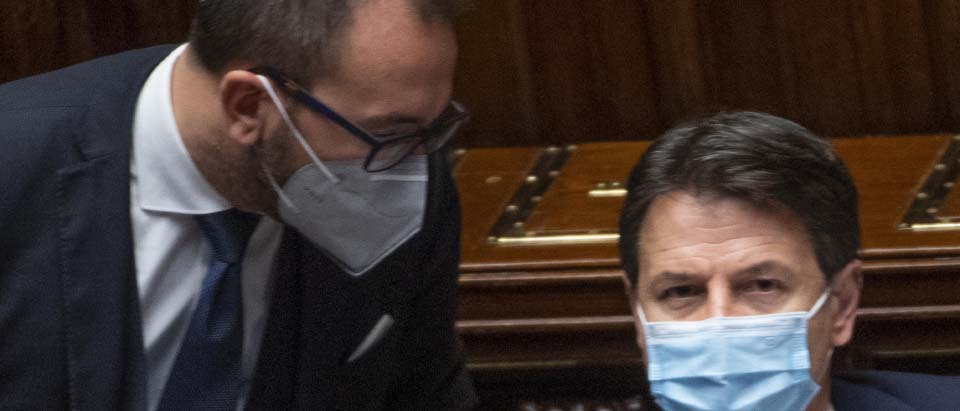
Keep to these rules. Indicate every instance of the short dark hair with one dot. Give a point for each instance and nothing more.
(298, 37)
(757, 157)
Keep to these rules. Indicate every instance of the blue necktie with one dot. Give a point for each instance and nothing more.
(206, 374)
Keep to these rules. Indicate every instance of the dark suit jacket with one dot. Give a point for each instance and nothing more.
(894, 391)
(70, 331)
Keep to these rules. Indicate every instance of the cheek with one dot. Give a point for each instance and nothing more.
(334, 143)
(642, 346)
(819, 341)
(282, 154)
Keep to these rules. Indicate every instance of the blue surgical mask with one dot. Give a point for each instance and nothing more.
(757, 362)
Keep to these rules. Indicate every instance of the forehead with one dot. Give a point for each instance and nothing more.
(388, 44)
(686, 233)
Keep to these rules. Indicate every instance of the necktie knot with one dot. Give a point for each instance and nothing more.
(228, 232)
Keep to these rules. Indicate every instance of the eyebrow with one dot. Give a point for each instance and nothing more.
(763, 267)
(670, 277)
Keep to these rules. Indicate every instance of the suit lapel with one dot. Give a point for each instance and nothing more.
(103, 334)
(275, 378)
(319, 317)
(102, 330)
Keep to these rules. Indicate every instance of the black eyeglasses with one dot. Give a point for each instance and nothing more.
(385, 152)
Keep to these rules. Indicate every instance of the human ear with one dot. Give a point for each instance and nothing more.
(241, 93)
(634, 302)
(847, 284)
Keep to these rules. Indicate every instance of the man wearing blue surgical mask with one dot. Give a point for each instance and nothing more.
(261, 218)
(739, 238)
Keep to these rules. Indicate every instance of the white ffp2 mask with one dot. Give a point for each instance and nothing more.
(356, 217)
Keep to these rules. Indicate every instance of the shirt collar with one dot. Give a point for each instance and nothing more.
(167, 178)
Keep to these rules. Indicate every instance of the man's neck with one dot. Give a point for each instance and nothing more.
(200, 120)
(821, 401)
(232, 169)
(195, 99)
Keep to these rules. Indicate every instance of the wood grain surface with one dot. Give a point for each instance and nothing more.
(535, 73)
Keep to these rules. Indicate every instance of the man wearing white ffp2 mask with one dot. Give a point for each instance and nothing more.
(357, 217)
(739, 238)
(157, 162)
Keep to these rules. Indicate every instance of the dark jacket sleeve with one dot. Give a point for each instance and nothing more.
(894, 391)
(320, 316)
(438, 380)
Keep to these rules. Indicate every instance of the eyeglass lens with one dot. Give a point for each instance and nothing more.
(394, 151)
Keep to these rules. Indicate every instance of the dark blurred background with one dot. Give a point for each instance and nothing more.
(538, 72)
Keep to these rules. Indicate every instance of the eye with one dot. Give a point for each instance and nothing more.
(763, 285)
(679, 292)
(681, 297)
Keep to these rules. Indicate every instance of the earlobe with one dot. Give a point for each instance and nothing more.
(846, 288)
(240, 96)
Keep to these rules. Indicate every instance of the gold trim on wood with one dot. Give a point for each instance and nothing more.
(924, 211)
(509, 228)
(923, 214)
(608, 189)
(546, 167)
(531, 238)
(454, 156)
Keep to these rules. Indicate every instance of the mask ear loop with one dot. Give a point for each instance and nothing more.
(296, 132)
(817, 305)
(278, 189)
(643, 317)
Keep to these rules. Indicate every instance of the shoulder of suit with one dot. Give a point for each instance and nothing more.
(85, 109)
(925, 391)
(109, 78)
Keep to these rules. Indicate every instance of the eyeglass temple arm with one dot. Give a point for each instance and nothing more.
(303, 97)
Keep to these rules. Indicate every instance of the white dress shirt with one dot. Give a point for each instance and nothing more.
(170, 252)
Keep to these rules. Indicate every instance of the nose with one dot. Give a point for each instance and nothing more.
(719, 304)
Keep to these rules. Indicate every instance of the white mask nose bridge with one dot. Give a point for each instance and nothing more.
(295, 130)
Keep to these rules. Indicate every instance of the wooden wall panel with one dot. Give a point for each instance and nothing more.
(542, 72)
(44, 35)
(740, 54)
(851, 67)
(494, 75)
(895, 65)
(679, 77)
(623, 71)
(30, 38)
(591, 70)
(818, 57)
(942, 30)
